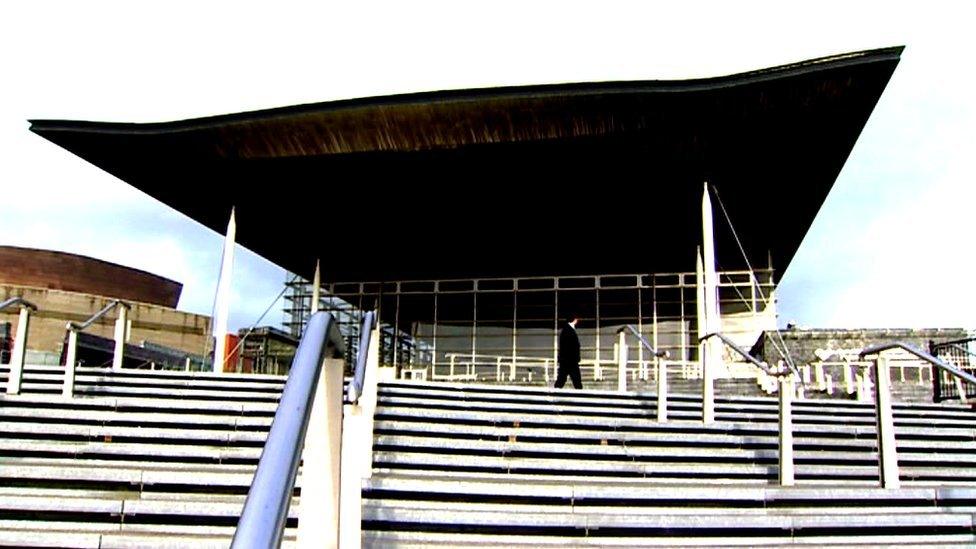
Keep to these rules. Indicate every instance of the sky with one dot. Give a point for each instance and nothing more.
(891, 247)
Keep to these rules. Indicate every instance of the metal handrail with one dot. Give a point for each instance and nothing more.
(922, 355)
(18, 301)
(643, 341)
(84, 325)
(753, 360)
(359, 375)
(262, 522)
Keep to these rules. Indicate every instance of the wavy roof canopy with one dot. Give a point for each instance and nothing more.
(557, 179)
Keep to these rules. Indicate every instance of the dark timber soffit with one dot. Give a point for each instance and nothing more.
(587, 178)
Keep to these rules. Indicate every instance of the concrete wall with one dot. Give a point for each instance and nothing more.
(162, 325)
(803, 343)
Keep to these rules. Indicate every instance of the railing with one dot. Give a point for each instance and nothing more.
(71, 357)
(662, 368)
(958, 353)
(17, 354)
(777, 372)
(473, 367)
(357, 435)
(306, 427)
(787, 375)
(888, 452)
(359, 374)
(852, 376)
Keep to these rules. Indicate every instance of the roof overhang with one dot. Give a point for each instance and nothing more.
(538, 180)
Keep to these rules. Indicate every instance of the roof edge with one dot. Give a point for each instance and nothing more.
(892, 53)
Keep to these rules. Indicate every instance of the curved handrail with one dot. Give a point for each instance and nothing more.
(262, 522)
(105, 310)
(753, 360)
(355, 389)
(922, 355)
(643, 341)
(18, 301)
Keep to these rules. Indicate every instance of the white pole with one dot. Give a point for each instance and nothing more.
(713, 315)
(222, 301)
(120, 325)
(71, 359)
(708, 395)
(316, 282)
(887, 451)
(19, 352)
(662, 390)
(318, 511)
(622, 362)
(786, 471)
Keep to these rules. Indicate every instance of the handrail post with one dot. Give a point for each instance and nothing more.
(451, 370)
(662, 390)
(19, 352)
(306, 427)
(708, 388)
(71, 359)
(887, 451)
(357, 449)
(512, 372)
(621, 362)
(318, 510)
(120, 329)
(498, 368)
(786, 471)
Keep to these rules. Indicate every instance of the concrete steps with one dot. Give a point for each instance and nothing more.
(150, 384)
(468, 465)
(137, 459)
(458, 465)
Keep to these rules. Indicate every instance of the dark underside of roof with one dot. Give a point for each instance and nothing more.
(545, 180)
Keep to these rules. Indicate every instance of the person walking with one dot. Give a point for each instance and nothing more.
(569, 354)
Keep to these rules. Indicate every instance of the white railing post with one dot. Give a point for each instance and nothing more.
(71, 359)
(863, 386)
(622, 362)
(451, 370)
(120, 329)
(708, 389)
(662, 390)
(512, 372)
(961, 390)
(887, 451)
(357, 451)
(318, 512)
(498, 368)
(19, 352)
(786, 471)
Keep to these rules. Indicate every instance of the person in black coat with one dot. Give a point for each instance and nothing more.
(569, 355)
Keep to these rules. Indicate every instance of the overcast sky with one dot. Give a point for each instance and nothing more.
(891, 247)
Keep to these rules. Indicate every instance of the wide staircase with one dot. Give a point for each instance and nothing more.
(165, 459)
(136, 459)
